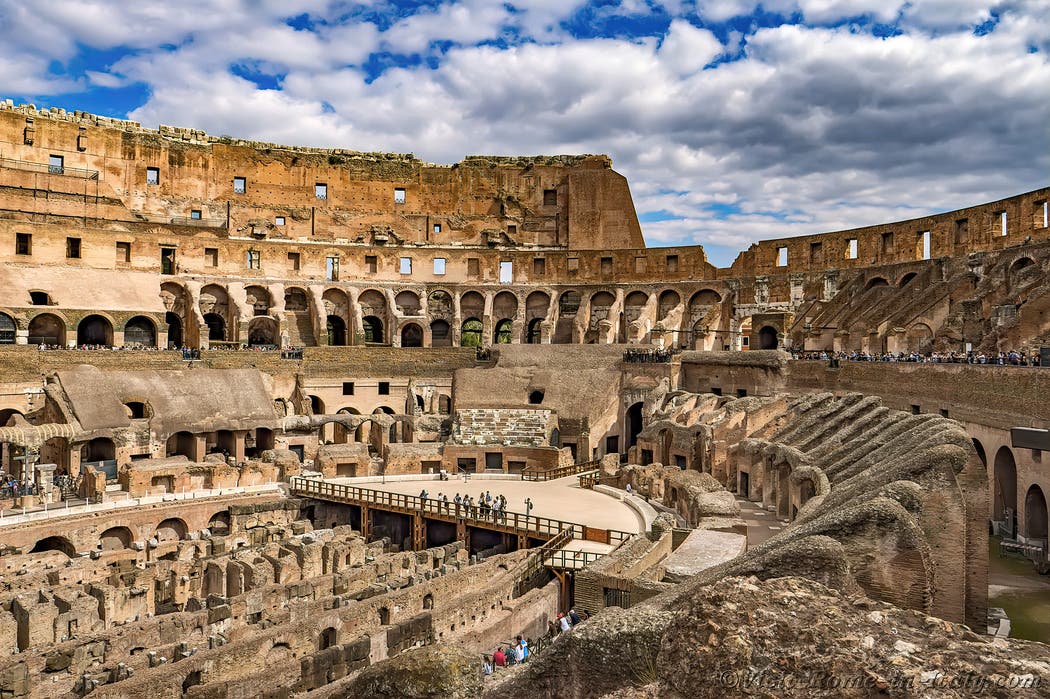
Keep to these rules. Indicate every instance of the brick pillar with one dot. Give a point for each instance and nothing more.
(419, 532)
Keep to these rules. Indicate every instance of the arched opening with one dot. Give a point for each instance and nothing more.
(470, 333)
(536, 397)
(919, 337)
(141, 332)
(316, 406)
(262, 332)
(7, 329)
(1004, 501)
(95, 330)
(175, 338)
(568, 307)
(1035, 514)
(54, 543)
(216, 327)
(327, 638)
(384, 616)
(407, 303)
(171, 529)
(979, 448)
(411, 335)
(115, 539)
(336, 330)
(39, 298)
(47, 329)
(668, 301)
(502, 334)
(444, 404)
(98, 449)
(136, 410)
(182, 444)
(191, 680)
(219, 524)
(344, 434)
(537, 306)
(634, 424)
(428, 601)
(373, 327)
(767, 338)
(440, 334)
(295, 299)
(259, 299)
(906, 279)
(1019, 271)
(875, 282)
(534, 331)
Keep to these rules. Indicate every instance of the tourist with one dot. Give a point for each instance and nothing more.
(574, 619)
(499, 658)
(563, 622)
(519, 652)
(629, 490)
(486, 665)
(524, 644)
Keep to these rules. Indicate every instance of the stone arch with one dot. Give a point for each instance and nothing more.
(54, 543)
(170, 529)
(40, 298)
(536, 397)
(876, 282)
(219, 523)
(372, 302)
(115, 539)
(470, 333)
(140, 331)
(137, 409)
(47, 329)
(258, 297)
(328, 638)
(182, 444)
(7, 329)
(216, 327)
(411, 335)
(471, 303)
(408, 304)
(1035, 514)
(907, 278)
(569, 303)
(176, 336)
(537, 306)
(344, 434)
(601, 306)
(98, 449)
(214, 299)
(919, 337)
(767, 338)
(633, 424)
(95, 329)
(428, 601)
(440, 333)
(1018, 270)
(534, 331)
(668, 301)
(504, 305)
(981, 453)
(702, 300)
(335, 328)
(316, 405)
(439, 304)
(296, 299)
(503, 332)
(262, 332)
(633, 303)
(1004, 499)
(373, 327)
(384, 616)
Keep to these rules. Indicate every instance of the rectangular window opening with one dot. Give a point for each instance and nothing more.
(348, 388)
(195, 214)
(211, 257)
(539, 266)
(56, 164)
(73, 248)
(782, 256)
(512, 230)
(439, 266)
(404, 265)
(254, 259)
(384, 388)
(1046, 214)
(1002, 223)
(23, 243)
(550, 197)
(852, 249)
(922, 247)
(607, 266)
(816, 253)
(278, 220)
(331, 268)
(240, 185)
(887, 243)
(321, 190)
(294, 261)
(399, 195)
(371, 264)
(962, 231)
(640, 265)
(167, 260)
(473, 267)
(124, 252)
(916, 409)
(153, 175)
(671, 264)
(572, 266)
(506, 272)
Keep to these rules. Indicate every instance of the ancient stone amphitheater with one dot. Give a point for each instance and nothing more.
(245, 389)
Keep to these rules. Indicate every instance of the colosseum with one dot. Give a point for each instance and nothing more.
(280, 421)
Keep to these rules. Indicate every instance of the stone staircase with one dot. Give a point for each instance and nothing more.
(300, 329)
(506, 427)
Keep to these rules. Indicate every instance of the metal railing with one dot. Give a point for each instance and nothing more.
(530, 525)
(558, 471)
(1036, 552)
(535, 562)
(46, 169)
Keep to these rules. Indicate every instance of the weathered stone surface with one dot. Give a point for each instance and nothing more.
(421, 673)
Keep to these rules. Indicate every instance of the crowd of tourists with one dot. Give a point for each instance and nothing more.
(520, 649)
(1011, 358)
(484, 506)
(95, 348)
(12, 487)
(649, 356)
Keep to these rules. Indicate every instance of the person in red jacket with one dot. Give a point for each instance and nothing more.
(499, 659)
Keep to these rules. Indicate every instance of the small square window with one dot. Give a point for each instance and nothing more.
(439, 266)
(195, 214)
(572, 265)
(278, 220)
(944, 412)
(254, 259)
(124, 252)
(473, 267)
(211, 257)
(384, 388)
(437, 227)
(539, 267)
(404, 265)
(348, 388)
(371, 264)
(294, 260)
(607, 266)
(23, 243)
(672, 263)
(550, 197)
(240, 185)
(73, 248)
(640, 265)
(321, 190)
(152, 175)
(56, 164)
(506, 272)
(782, 256)
(399, 195)
(916, 409)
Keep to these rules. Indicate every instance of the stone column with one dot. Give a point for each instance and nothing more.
(45, 481)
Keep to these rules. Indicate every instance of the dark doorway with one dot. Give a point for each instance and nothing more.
(95, 330)
(216, 327)
(493, 461)
(373, 329)
(411, 336)
(336, 331)
(767, 338)
(634, 424)
(174, 329)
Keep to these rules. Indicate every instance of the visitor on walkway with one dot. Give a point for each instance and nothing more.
(563, 622)
(499, 658)
(574, 618)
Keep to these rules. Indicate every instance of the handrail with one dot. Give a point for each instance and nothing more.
(574, 560)
(534, 525)
(536, 474)
(45, 168)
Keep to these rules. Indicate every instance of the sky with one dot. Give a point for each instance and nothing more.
(734, 121)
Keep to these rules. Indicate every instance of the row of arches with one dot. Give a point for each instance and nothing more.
(1005, 497)
(118, 538)
(94, 329)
